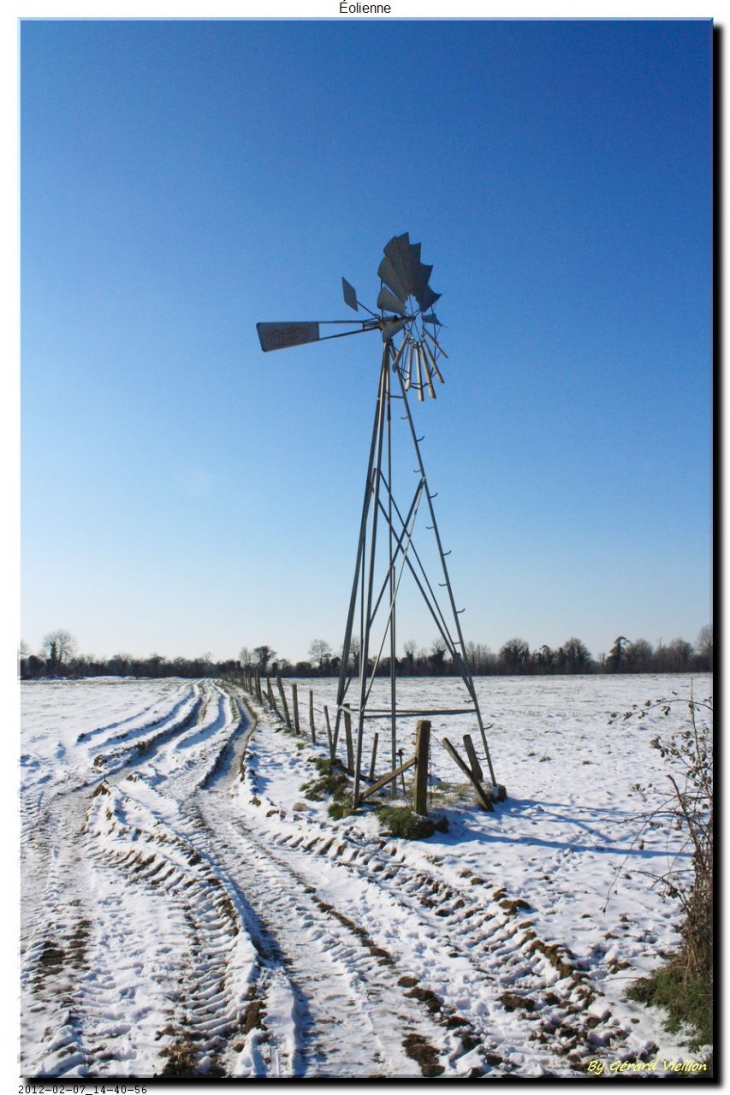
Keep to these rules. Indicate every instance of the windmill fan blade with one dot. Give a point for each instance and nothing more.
(429, 335)
(408, 365)
(390, 303)
(419, 374)
(432, 361)
(429, 298)
(278, 336)
(398, 250)
(427, 370)
(349, 294)
(420, 285)
(399, 354)
(388, 274)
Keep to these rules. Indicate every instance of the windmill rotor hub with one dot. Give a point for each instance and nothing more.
(405, 304)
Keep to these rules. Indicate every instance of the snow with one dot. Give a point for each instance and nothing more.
(186, 910)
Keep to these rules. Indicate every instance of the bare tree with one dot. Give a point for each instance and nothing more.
(640, 656)
(409, 649)
(320, 653)
(544, 659)
(704, 645)
(58, 647)
(437, 655)
(680, 652)
(355, 650)
(615, 662)
(515, 655)
(577, 655)
(119, 664)
(263, 655)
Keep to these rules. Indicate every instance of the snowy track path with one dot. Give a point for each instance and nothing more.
(190, 918)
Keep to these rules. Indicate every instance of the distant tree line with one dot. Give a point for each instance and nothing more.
(514, 657)
(58, 657)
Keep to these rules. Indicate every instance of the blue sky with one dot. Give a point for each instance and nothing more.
(181, 180)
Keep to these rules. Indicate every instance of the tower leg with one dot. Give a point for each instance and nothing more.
(379, 506)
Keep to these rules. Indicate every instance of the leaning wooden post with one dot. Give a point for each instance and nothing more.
(295, 705)
(311, 716)
(375, 753)
(348, 740)
(259, 697)
(484, 797)
(420, 781)
(284, 704)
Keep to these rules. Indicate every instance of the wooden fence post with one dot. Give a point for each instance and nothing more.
(272, 700)
(375, 753)
(295, 705)
(420, 781)
(402, 775)
(284, 704)
(311, 716)
(259, 697)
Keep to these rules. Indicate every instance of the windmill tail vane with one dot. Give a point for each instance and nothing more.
(405, 306)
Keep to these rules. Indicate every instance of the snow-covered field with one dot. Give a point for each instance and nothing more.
(187, 911)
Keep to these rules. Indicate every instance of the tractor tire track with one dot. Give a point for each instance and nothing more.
(532, 990)
(342, 986)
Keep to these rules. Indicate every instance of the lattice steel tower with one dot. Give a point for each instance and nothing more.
(386, 549)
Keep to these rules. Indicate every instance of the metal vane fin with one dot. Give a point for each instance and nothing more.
(277, 336)
(349, 294)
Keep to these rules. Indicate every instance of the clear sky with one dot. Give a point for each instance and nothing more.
(182, 492)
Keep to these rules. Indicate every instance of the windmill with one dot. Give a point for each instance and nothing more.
(387, 549)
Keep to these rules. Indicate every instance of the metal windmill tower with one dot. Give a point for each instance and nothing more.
(386, 549)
